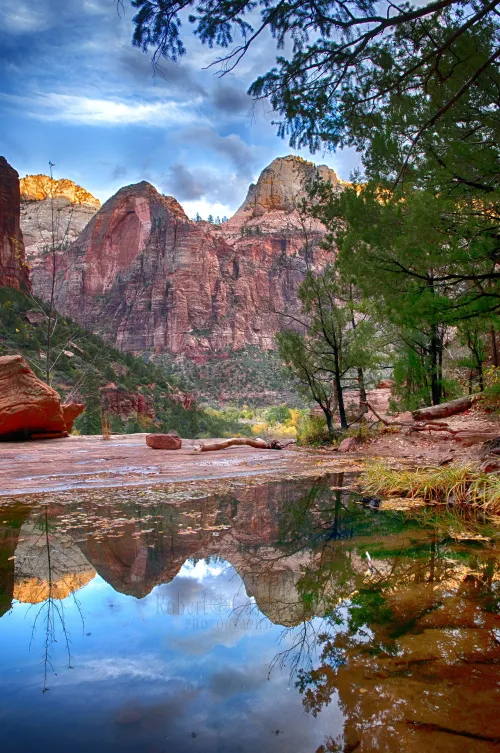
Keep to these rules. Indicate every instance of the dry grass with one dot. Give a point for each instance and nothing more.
(459, 485)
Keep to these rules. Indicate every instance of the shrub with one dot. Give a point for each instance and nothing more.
(258, 429)
(278, 414)
(492, 389)
(312, 430)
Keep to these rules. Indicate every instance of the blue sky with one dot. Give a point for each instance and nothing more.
(73, 90)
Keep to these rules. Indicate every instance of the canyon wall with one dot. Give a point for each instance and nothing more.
(147, 278)
(13, 268)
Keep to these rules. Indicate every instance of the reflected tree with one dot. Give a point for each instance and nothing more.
(45, 576)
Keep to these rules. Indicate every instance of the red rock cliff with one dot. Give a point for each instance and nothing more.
(13, 269)
(146, 277)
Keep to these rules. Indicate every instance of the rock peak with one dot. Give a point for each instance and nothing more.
(280, 185)
(40, 187)
(146, 190)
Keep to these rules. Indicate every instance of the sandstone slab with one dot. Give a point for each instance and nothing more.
(164, 441)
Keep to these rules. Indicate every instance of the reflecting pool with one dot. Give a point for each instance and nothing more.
(269, 617)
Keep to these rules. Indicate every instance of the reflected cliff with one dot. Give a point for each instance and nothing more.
(367, 613)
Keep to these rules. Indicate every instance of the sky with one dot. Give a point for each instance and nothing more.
(73, 90)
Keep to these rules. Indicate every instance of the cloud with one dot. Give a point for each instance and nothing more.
(24, 18)
(208, 191)
(81, 110)
(231, 146)
(119, 171)
(231, 100)
(184, 185)
(176, 77)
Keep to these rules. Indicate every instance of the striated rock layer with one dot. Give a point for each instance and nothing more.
(13, 269)
(147, 278)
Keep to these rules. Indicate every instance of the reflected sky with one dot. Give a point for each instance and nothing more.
(184, 668)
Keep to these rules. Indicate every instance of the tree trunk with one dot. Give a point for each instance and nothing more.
(362, 388)
(444, 410)
(329, 423)
(494, 350)
(340, 393)
(436, 382)
(480, 375)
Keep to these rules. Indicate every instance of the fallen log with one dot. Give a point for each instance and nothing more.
(259, 444)
(445, 409)
(475, 437)
(410, 425)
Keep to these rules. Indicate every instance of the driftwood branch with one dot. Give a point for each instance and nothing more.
(259, 444)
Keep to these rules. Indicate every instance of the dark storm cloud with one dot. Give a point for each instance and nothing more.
(184, 185)
(231, 100)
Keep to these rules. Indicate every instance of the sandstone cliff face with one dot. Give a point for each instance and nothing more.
(13, 269)
(125, 404)
(147, 278)
(53, 208)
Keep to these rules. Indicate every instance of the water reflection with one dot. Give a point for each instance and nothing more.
(244, 620)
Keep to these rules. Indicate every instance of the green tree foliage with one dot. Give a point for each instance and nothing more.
(340, 62)
(339, 341)
(278, 414)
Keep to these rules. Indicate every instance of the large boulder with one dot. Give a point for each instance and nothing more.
(28, 406)
(70, 412)
(164, 441)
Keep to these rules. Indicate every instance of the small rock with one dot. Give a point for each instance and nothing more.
(163, 441)
(347, 444)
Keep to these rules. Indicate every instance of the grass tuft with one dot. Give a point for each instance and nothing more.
(458, 485)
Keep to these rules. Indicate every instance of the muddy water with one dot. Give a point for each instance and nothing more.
(276, 617)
